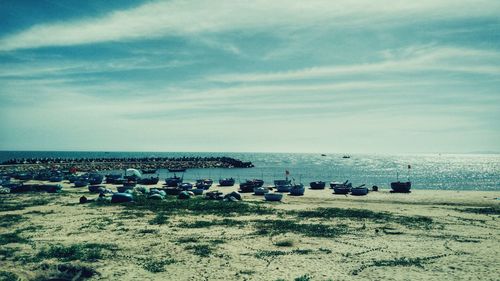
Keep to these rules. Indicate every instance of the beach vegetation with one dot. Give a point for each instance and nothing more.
(10, 220)
(12, 237)
(11, 204)
(274, 227)
(494, 210)
(361, 214)
(284, 243)
(159, 219)
(8, 276)
(80, 251)
(205, 224)
(305, 277)
(156, 265)
(148, 231)
(189, 239)
(202, 250)
(65, 271)
(199, 206)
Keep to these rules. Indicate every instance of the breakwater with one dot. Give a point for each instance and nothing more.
(91, 164)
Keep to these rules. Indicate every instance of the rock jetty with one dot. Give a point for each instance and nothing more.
(92, 164)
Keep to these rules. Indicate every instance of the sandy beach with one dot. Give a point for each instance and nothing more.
(427, 234)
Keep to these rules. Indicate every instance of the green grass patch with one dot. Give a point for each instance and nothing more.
(159, 219)
(99, 223)
(8, 276)
(205, 224)
(402, 261)
(305, 277)
(202, 250)
(148, 231)
(65, 271)
(188, 240)
(10, 220)
(12, 203)
(12, 237)
(284, 243)
(276, 253)
(274, 227)
(495, 210)
(81, 251)
(362, 214)
(156, 265)
(199, 206)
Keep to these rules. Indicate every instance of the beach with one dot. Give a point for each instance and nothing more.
(426, 234)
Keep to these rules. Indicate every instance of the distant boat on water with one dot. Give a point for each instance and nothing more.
(177, 170)
(346, 156)
(149, 171)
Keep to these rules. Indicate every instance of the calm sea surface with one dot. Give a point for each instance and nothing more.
(431, 171)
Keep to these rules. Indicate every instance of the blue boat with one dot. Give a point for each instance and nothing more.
(226, 182)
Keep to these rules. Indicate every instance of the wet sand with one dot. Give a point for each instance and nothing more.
(432, 235)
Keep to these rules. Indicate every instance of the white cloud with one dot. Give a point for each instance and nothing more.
(178, 17)
(413, 59)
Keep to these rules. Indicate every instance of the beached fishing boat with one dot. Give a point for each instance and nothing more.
(246, 187)
(172, 190)
(149, 181)
(226, 182)
(197, 191)
(260, 190)
(271, 196)
(95, 179)
(317, 185)
(341, 188)
(97, 188)
(130, 184)
(173, 181)
(185, 186)
(81, 183)
(121, 197)
(56, 179)
(257, 182)
(283, 185)
(297, 190)
(401, 187)
(359, 190)
(203, 183)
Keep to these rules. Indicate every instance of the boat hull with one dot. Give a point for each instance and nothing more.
(317, 185)
(273, 196)
(401, 187)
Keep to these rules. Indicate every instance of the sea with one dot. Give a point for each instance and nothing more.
(425, 171)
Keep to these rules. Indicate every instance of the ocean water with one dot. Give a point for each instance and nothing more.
(428, 171)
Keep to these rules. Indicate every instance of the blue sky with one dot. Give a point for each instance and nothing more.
(285, 76)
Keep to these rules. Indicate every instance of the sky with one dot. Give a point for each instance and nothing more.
(317, 76)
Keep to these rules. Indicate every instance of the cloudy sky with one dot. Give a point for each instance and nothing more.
(382, 76)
